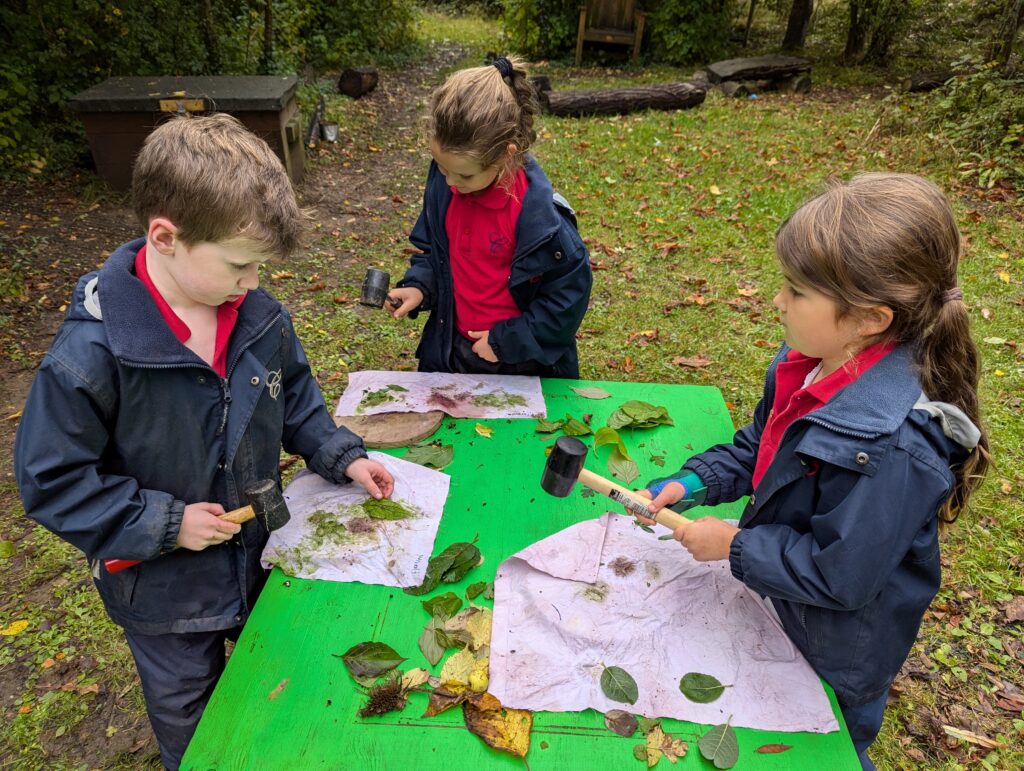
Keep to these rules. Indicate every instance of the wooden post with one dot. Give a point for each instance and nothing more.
(579, 34)
(640, 19)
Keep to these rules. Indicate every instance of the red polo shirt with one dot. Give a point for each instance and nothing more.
(227, 315)
(481, 231)
(794, 399)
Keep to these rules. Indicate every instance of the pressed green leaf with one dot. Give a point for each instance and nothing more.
(432, 454)
(619, 685)
(622, 468)
(489, 591)
(607, 435)
(385, 508)
(700, 688)
(720, 746)
(591, 392)
(474, 590)
(573, 427)
(647, 723)
(658, 460)
(443, 605)
(429, 645)
(450, 565)
(637, 414)
(640, 752)
(370, 659)
(548, 426)
(667, 537)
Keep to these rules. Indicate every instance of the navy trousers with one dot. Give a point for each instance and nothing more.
(864, 723)
(178, 673)
(467, 362)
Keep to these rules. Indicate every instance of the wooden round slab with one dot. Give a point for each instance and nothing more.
(392, 429)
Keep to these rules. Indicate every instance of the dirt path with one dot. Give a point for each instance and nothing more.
(51, 233)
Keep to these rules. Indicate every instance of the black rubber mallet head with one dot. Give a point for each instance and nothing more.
(266, 505)
(565, 468)
(375, 289)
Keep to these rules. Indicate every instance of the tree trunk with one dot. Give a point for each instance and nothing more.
(796, 29)
(268, 37)
(210, 41)
(671, 96)
(750, 20)
(887, 23)
(856, 33)
(1002, 46)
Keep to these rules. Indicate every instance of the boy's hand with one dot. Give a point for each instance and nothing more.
(672, 493)
(376, 479)
(201, 526)
(482, 348)
(411, 298)
(707, 538)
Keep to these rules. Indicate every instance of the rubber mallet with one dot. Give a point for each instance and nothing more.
(565, 468)
(266, 506)
(375, 289)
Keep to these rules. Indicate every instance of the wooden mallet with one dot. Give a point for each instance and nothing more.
(266, 506)
(565, 468)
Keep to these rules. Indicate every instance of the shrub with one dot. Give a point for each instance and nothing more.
(688, 31)
(540, 28)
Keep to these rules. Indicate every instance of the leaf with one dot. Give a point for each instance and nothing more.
(620, 721)
(434, 641)
(661, 744)
(489, 591)
(637, 414)
(714, 190)
(385, 508)
(277, 691)
(592, 393)
(622, 468)
(548, 426)
(658, 460)
(414, 678)
(441, 699)
(449, 566)
(474, 590)
(370, 659)
(472, 625)
(503, 729)
(14, 628)
(608, 435)
(773, 749)
(456, 670)
(694, 362)
(6, 549)
(700, 688)
(573, 427)
(619, 685)
(666, 537)
(995, 340)
(443, 606)
(432, 454)
(647, 723)
(485, 431)
(719, 745)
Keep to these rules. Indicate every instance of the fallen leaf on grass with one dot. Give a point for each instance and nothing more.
(1014, 609)
(14, 415)
(969, 736)
(503, 729)
(691, 361)
(13, 628)
(277, 690)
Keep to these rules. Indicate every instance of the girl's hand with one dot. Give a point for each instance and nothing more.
(201, 526)
(411, 298)
(482, 348)
(706, 538)
(374, 478)
(670, 495)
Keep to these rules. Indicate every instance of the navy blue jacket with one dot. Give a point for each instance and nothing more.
(842, 531)
(550, 280)
(124, 426)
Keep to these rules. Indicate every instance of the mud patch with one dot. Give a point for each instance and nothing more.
(622, 567)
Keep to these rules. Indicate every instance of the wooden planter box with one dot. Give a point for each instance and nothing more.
(119, 113)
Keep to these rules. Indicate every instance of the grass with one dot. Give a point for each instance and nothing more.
(679, 210)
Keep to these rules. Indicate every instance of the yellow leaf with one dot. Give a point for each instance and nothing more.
(14, 415)
(15, 627)
(456, 670)
(771, 161)
(714, 190)
(503, 729)
(48, 663)
(1004, 277)
(999, 373)
(282, 274)
(373, 148)
(475, 622)
(485, 431)
(414, 678)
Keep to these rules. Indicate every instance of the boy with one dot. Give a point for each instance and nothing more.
(173, 383)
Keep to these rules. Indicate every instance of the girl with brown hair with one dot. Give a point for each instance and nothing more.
(501, 269)
(866, 438)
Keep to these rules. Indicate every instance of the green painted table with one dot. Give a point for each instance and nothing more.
(495, 495)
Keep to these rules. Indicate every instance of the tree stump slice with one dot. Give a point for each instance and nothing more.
(357, 81)
(757, 68)
(392, 429)
(609, 101)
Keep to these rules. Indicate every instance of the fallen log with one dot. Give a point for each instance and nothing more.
(357, 81)
(757, 68)
(610, 101)
(927, 81)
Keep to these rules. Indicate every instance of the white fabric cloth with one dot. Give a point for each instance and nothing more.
(563, 612)
(371, 551)
(451, 392)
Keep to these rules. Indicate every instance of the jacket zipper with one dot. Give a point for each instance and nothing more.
(225, 387)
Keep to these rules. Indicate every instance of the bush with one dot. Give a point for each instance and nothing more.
(690, 31)
(540, 28)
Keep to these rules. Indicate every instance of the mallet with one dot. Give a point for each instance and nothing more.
(266, 505)
(375, 289)
(565, 468)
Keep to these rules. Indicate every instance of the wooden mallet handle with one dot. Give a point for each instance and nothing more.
(632, 500)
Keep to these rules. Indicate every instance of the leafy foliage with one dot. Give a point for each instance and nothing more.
(540, 28)
(688, 31)
(449, 566)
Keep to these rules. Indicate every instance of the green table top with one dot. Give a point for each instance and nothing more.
(495, 495)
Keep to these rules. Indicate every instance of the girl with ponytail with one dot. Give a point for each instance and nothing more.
(501, 269)
(867, 437)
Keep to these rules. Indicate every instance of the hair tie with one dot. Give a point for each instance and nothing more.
(504, 66)
(952, 294)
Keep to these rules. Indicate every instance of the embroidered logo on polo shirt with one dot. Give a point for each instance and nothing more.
(274, 383)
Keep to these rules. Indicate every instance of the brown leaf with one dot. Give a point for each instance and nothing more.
(503, 729)
(1014, 609)
(691, 361)
(969, 736)
(620, 721)
(440, 700)
(277, 691)
(771, 749)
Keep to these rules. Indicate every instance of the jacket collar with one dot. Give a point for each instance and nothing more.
(877, 402)
(138, 334)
